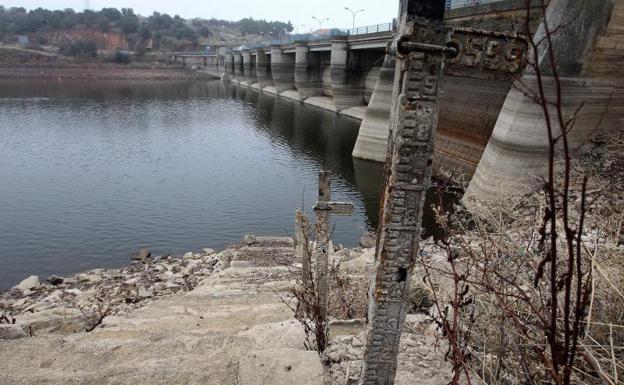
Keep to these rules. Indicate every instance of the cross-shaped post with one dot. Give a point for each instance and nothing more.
(323, 208)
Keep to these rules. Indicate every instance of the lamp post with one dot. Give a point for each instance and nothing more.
(354, 14)
(320, 21)
(299, 26)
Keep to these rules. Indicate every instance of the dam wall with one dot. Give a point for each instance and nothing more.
(480, 113)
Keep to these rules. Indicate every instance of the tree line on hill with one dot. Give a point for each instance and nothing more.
(19, 21)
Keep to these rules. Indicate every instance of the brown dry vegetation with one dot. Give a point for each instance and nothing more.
(493, 297)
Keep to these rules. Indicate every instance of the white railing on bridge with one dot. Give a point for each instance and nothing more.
(453, 4)
(370, 29)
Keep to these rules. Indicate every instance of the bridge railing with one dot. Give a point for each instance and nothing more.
(384, 27)
(323, 38)
(453, 4)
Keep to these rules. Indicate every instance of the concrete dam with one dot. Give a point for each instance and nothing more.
(485, 127)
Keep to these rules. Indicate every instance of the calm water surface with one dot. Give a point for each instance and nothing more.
(92, 171)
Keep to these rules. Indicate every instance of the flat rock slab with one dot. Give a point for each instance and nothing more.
(281, 367)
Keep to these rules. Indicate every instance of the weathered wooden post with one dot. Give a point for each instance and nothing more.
(420, 47)
(301, 248)
(323, 208)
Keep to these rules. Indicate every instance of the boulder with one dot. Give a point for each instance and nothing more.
(29, 283)
(57, 320)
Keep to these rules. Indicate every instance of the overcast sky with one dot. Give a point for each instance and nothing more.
(297, 11)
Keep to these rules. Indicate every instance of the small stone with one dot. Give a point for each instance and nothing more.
(55, 281)
(368, 241)
(173, 286)
(208, 251)
(131, 281)
(188, 255)
(11, 332)
(85, 298)
(249, 239)
(142, 255)
(19, 303)
(39, 306)
(29, 283)
(144, 293)
(74, 291)
(82, 277)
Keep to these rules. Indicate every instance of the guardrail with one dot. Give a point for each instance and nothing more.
(321, 38)
(453, 4)
(195, 53)
(370, 29)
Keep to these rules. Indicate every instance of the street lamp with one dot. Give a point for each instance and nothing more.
(320, 21)
(299, 26)
(354, 13)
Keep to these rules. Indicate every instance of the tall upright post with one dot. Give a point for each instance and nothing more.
(419, 46)
(323, 208)
(301, 248)
(322, 240)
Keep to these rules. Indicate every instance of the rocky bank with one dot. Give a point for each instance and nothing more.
(203, 318)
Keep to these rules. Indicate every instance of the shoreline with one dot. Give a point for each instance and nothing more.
(97, 71)
(79, 302)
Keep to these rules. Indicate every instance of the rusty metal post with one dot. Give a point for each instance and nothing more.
(419, 46)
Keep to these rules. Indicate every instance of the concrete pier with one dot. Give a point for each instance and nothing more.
(229, 64)
(372, 141)
(263, 69)
(516, 156)
(344, 78)
(308, 72)
(248, 75)
(283, 69)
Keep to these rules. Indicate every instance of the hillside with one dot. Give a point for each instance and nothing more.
(111, 29)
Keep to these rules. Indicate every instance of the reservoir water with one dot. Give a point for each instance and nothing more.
(92, 171)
